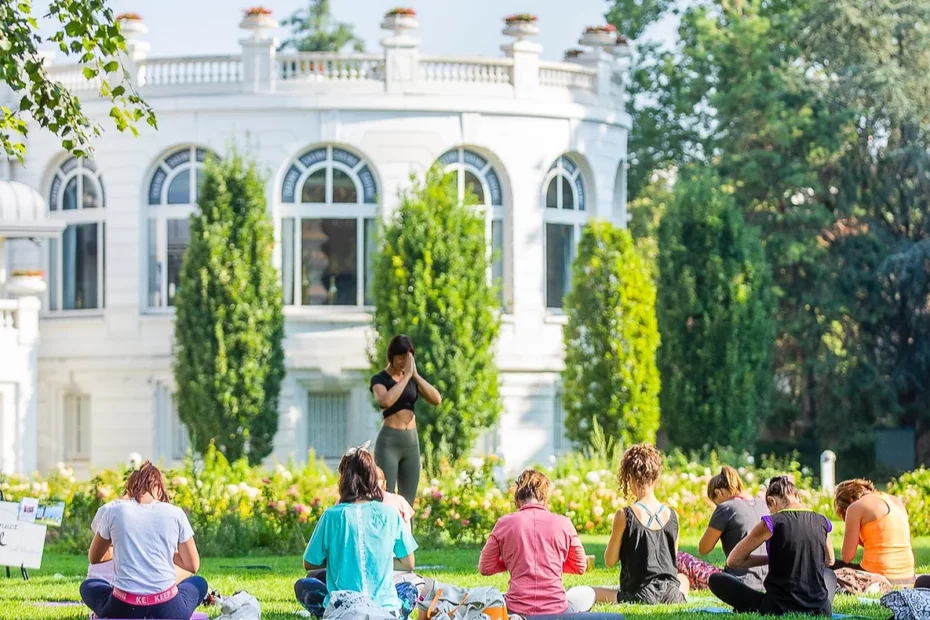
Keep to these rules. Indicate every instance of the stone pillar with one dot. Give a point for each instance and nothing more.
(525, 56)
(28, 406)
(258, 53)
(401, 53)
(602, 62)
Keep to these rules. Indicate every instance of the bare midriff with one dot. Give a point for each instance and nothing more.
(403, 420)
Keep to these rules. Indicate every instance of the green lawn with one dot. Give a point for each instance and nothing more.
(274, 587)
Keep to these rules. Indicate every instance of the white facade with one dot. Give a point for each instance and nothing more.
(338, 137)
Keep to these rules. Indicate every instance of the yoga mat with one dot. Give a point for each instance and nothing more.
(724, 610)
(582, 615)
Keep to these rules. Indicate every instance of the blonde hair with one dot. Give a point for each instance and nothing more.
(849, 492)
(532, 484)
(641, 465)
(727, 480)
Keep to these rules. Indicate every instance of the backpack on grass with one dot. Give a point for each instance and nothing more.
(908, 604)
(447, 602)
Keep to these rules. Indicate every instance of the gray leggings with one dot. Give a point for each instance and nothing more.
(397, 453)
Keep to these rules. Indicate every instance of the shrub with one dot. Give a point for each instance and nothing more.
(715, 311)
(914, 489)
(229, 326)
(611, 338)
(431, 283)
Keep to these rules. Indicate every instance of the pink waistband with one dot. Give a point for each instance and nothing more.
(146, 600)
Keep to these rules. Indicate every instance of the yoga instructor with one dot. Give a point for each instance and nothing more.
(396, 389)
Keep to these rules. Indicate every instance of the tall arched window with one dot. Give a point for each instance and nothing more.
(328, 213)
(172, 197)
(474, 172)
(76, 263)
(564, 198)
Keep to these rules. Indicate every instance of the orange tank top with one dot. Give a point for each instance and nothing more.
(887, 544)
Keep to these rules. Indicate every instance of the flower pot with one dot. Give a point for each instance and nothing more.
(26, 286)
(599, 39)
(400, 23)
(258, 25)
(623, 50)
(521, 30)
(132, 28)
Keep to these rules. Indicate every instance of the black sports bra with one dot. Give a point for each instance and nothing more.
(406, 400)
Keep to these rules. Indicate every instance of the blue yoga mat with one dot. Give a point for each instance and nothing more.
(724, 610)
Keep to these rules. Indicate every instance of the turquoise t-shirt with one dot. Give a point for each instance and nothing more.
(358, 543)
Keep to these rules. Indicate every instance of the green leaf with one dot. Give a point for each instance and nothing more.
(111, 67)
(89, 73)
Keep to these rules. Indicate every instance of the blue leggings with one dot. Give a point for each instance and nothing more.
(98, 595)
(312, 592)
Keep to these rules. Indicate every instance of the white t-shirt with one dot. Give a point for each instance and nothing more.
(145, 538)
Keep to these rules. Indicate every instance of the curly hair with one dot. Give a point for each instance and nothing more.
(849, 492)
(146, 479)
(641, 465)
(781, 487)
(358, 478)
(727, 480)
(532, 484)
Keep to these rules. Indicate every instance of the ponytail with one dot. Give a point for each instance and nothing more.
(727, 480)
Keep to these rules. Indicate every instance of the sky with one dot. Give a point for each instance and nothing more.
(448, 27)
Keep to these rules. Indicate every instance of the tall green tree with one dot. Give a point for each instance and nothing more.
(431, 283)
(715, 311)
(611, 339)
(314, 31)
(230, 326)
(85, 31)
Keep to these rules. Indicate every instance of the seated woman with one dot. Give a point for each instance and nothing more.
(536, 546)
(357, 541)
(799, 551)
(149, 538)
(644, 538)
(397, 502)
(735, 515)
(879, 523)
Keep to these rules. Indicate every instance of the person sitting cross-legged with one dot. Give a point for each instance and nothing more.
(536, 546)
(150, 539)
(359, 542)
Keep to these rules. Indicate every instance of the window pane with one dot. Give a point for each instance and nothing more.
(179, 192)
(155, 267)
(54, 269)
(552, 195)
(474, 185)
(71, 195)
(199, 184)
(343, 187)
(287, 260)
(326, 421)
(568, 198)
(329, 273)
(91, 199)
(315, 187)
(179, 237)
(558, 263)
(371, 247)
(497, 257)
(79, 259)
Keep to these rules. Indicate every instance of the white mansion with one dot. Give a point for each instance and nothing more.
(87, 379)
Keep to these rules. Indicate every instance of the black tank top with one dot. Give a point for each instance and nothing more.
(647, 555)
(797, 558)
(406, 400)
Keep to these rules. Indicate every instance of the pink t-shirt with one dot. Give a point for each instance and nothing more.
(401, 505)
(536, 547)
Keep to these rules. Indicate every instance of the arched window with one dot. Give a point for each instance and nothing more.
(564, 198)
(76, 263)
(328, 214)
(172, 197)
(474, 172)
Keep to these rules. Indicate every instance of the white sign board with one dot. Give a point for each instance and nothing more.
(21, 543)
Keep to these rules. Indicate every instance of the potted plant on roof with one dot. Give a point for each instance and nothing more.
(599, 36)
(622, 49)
(573, 53)
(258, 21)
(131, 23)
(400, 19)
(26, 282)
(521, 25)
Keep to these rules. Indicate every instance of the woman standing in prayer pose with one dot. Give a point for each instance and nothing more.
(396, 389)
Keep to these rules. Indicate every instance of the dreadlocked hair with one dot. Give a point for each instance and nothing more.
(640, 466)
(146, 479)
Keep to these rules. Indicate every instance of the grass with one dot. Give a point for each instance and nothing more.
(62, 574)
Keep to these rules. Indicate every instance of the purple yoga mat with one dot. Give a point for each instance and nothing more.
(198, 615)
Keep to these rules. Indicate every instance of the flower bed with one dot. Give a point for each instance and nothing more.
(239, 510)
(401, 11)
(521, 18)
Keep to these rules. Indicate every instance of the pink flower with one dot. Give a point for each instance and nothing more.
(301, 509)
(465, 522)
(293, 491)
(437, 495)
